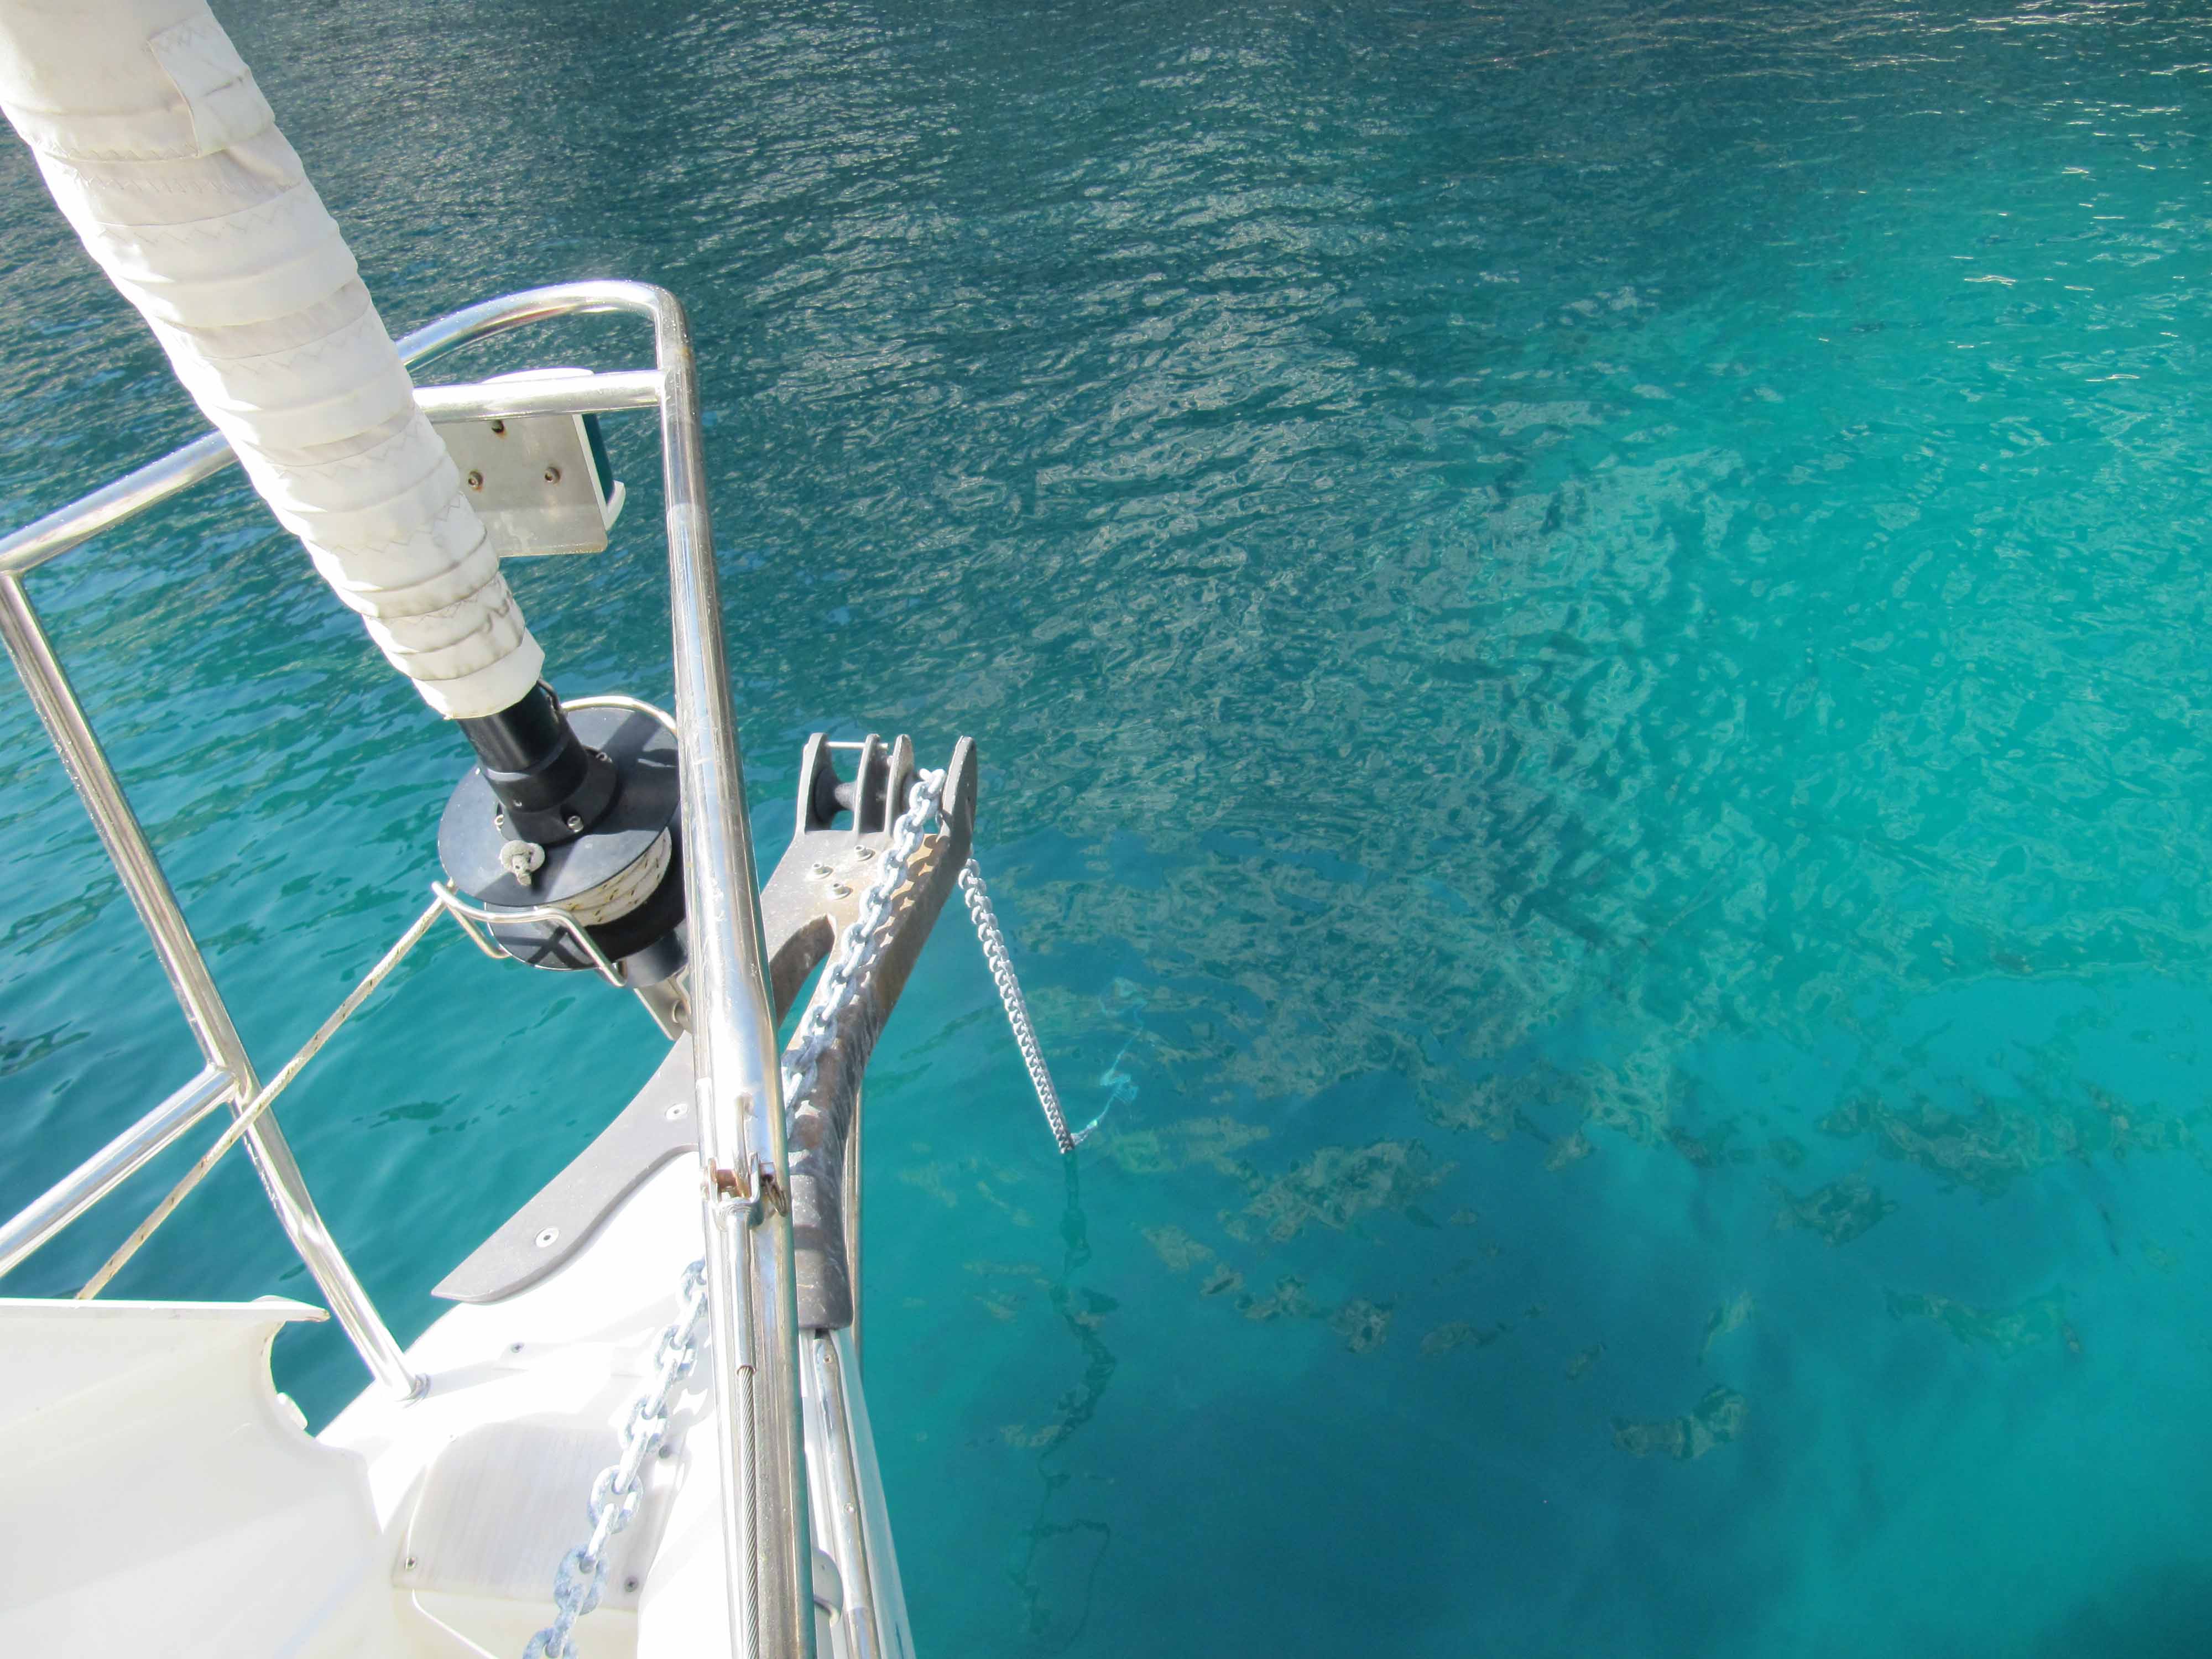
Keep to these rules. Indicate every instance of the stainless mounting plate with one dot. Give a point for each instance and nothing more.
(533, 481)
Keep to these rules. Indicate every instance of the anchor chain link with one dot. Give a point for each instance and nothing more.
(860, 945)
(1016, 1006)
(615, 1495)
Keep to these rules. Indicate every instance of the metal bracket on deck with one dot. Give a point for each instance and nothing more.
(813, 896)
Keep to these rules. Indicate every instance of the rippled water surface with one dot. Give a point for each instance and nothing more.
(1587, 622)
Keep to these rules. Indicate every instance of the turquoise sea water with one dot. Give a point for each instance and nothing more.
(1587, 625)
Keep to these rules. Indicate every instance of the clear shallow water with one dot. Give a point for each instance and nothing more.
(1586, 626)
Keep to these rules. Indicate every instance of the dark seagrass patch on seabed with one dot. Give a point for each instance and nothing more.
(2005, 1330)
(1838, 1211)
(1716, 1420)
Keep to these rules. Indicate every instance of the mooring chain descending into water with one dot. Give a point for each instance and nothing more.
(864, 938)
(1017, 1008)
(620, 1488)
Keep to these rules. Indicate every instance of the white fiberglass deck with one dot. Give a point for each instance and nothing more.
(169, 1501)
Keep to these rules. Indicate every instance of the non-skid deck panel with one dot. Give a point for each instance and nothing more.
(547, 1231)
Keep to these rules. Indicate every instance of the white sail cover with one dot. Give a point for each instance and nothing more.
(165, 157)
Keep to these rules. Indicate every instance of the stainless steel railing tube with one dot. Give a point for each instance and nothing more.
(120, 832)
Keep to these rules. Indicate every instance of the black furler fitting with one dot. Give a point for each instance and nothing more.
(550, 787)
(619, 874)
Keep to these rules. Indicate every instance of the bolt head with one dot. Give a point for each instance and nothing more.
(476, 480)
(520, 858)
(838, 889)
(499, 429)
(819, 870)
(548, 1238)
(552, 475)
(576, 824)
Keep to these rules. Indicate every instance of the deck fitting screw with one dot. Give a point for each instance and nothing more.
(499, 429)
(514, 1347)
(476, 481)
(576, 824)
(864, 852)
(498, 818)
(819, 870)
(552, 475)
(838, 889)
(548, 1238)
(676, 1111)
(410, 1564)
(630, 1583)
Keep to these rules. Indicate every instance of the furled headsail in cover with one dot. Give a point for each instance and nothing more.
(166, 159)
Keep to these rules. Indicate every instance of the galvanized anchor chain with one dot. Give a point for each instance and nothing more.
(1017, 1008)
(615, 1495)
(860, 945)
(620, 1488)
(861, 942)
